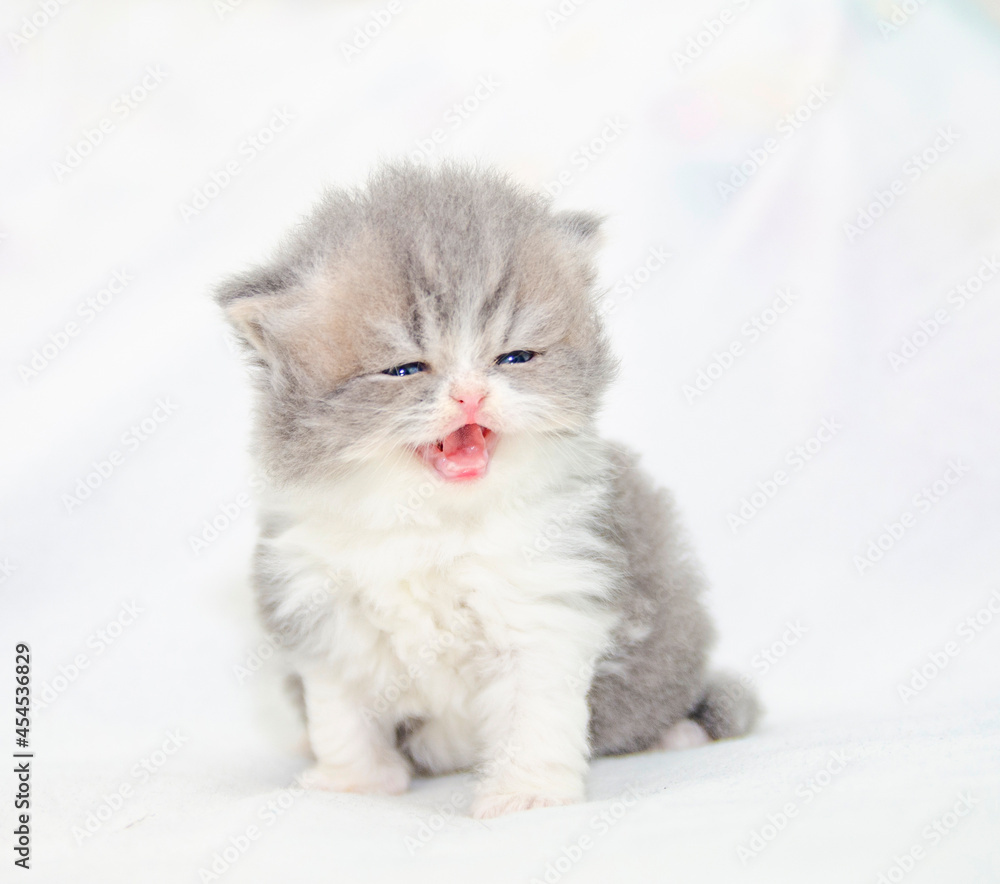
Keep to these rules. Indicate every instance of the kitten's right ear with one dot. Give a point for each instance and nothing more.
(258, 304)
(583, 229)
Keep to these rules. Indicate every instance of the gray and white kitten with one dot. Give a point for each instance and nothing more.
(464, 574)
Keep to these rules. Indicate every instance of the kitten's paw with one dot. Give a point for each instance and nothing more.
(489, 807)
(685, 734)
(385, 780)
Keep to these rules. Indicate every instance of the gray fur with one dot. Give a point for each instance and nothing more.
(401, 267)
(642, 687)
(728, 708)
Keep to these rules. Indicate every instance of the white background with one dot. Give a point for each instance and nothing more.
(548, 85)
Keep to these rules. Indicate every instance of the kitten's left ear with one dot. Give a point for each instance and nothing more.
(583, 229)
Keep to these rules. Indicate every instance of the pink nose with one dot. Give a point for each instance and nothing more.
(470, 402)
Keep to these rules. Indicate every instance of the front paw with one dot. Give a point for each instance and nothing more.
(488, 807)
(389, 779)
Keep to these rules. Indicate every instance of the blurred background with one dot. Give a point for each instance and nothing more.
(801, 274)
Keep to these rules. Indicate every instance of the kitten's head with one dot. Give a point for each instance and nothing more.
(428, 317)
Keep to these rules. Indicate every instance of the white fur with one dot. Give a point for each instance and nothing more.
(449, 606)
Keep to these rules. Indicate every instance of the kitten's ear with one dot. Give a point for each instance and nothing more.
(259, 304)
(583, 229)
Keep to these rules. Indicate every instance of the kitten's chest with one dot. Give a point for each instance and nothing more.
(422, 613)
(451, 589)
(418, 585)
(427, 570)
(424, 632)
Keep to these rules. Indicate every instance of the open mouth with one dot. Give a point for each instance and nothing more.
(462, 454)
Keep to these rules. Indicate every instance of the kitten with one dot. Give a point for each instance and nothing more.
(464, 574)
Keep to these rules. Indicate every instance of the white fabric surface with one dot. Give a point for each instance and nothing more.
(214, 77)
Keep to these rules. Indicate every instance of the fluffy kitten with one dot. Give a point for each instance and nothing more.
(464, 574)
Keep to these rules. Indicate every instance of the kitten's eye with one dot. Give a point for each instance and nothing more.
(401, 371)
(515, 357)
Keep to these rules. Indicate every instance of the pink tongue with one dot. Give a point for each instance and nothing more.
(466, 447)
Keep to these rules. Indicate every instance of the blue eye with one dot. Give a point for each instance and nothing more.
(401, 371)
(515, 357)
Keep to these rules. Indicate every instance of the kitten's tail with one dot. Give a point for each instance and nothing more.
(728, 707)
